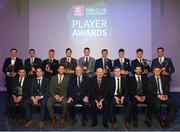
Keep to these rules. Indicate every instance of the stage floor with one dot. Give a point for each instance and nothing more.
(5, 125)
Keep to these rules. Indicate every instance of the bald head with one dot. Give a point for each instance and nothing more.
(78, 71)
(99, 73)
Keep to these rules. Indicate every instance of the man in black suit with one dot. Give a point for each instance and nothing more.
(10, 68)
(143, 62)
(68, 62)
(50, 65)
(32, 63)
(78, 93)
(165, 63)
(158, 89)
(20, 94)
(138, 93)
(99, 88)
(119, 95)
(104, 63)
(123, 63)
(39, 96)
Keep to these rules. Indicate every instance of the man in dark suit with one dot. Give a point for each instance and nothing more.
(158, 89)
(78, 93)
(138, 93)
(32, 63)
(58, 91)
(87, 63)
(119, 95)
(165, 63)
(50, 65)
(123, 63)
(143, 62)
(20, 94)
(104, 63)
(68, 62)
(10, 69)
(39, 96)
(99, 88)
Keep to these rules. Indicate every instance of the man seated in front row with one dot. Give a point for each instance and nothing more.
(158, 88)
(58, 91)
(20, 95)
(78, 93)
(39, 96)
(138, 92)
(118, 95)
(99, 87)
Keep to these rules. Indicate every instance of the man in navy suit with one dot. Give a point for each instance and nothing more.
(123, 63)
(78, 93)
(143, 62)
(11, 67)
(118, 92)
(39, 96)
(104, 63)
(20, 94)
(32, 63)
(165, 63)
(50, 66)
(158, 89)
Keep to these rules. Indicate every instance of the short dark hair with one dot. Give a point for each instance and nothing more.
(117, 67)
(139, 50)
(21, 68)
(121, 50)
(31, 50)
(68, 49)
(139, 65)
(39, 68)
(160, 48)
(156, 66)
(86, 48)
(13, 49)
(104, 50)
(61, 65)
(51, 50)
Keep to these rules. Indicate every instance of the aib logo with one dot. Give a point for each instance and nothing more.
(78, 10)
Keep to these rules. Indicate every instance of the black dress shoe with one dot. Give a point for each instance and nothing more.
(83, 122)
(148, 123)
(161, 123)
(166, 123)
(94, 124)
(135, 124)
(105, 125)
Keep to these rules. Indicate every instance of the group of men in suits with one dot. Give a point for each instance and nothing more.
(88, 82)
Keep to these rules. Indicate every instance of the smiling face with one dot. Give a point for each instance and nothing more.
(104, 54)
(139, 54)
(61, 70)
(13, 53)
(39, 72)
(68, 53)
(99, 73)
(160, 52)
(157, 71)
(78, 71)
(22, 73)
(86, 52)
(138, 70)
(117, 72)
(51, 54)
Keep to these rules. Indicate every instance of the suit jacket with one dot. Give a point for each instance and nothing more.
(44, 89)
(26, 92)
(17, 65)
(135, 62)
(60, 89)
(91, 64)
(112, 86)
(170, 68)
(53, 65)
(126, 64)
(96, 92)
(99, 64)
(73, 63)
(37, 63)
(83, 90)
(152, 85)
(132, 87)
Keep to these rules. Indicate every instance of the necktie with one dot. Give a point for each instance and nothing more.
(31, 61)
(140, 60)
(79, 82)
(158, 86)
(118, 87)
(104, 66)
(39, 83)
(160, 59)
(86, 59)
(59, 79)
(99, 82)
(20, 81)
(139, 81)
(50, 60)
